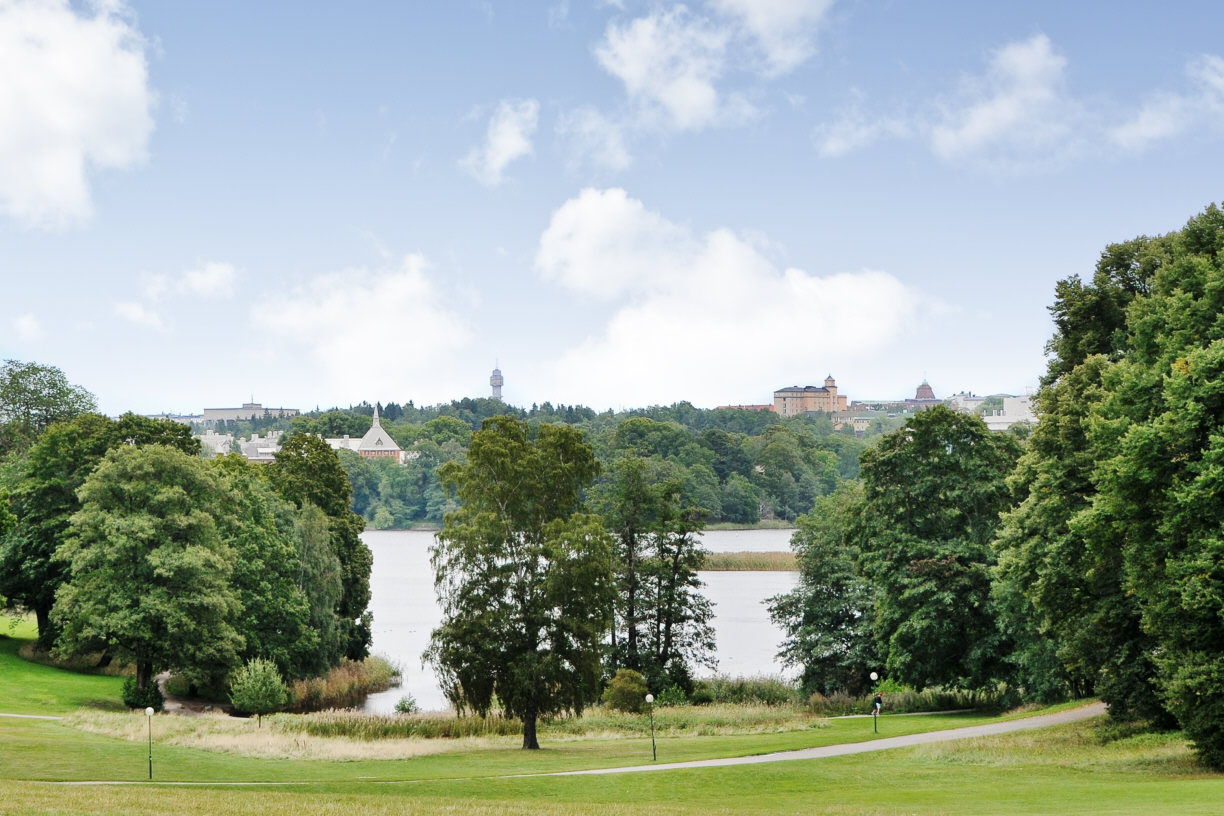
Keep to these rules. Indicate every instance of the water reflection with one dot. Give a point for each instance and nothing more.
(406, 610)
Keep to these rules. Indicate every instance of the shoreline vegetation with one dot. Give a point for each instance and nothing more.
(718, 526)
(750, 562)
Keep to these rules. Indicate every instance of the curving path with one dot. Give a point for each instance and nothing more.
(968, 732)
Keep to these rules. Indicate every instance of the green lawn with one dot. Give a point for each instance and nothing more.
(1070, 769)
(29, 688)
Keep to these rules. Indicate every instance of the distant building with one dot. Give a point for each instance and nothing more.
(376, 444)
(495, 381)
(249, 410)
(744, 408)
(262, 449)
(1015, 410)
(807, 399)
(924, 397)
(966, 402)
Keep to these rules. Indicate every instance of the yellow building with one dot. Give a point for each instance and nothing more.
(803, 399)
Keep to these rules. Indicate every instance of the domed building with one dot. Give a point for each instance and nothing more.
(924, 397)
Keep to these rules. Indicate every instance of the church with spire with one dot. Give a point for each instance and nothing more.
(376, 444)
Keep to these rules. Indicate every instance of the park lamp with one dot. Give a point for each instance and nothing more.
(654, 753)
(149, 716)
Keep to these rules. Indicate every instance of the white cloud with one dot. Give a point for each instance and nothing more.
(209, 279)
(369, 329)
(1018, 109)
(784, 29)
(74, 96)
(508, 138)
(595, 138)
(706, 318)
(1167, 115)
(28, 327)
(669, 63)
(853, 130)
(138, 314)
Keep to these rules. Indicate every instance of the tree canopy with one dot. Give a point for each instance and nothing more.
(524, 578)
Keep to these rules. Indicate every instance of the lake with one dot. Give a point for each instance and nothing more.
(406, 610)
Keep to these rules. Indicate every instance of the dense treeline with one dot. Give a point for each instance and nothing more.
(736, 466)
(125, 544)
(1090, 561)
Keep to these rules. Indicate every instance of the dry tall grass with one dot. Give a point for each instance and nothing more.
(751, 562)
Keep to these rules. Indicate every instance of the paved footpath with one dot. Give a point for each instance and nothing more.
(969, 732)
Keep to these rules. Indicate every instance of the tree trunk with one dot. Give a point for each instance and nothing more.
(46, 633)
(144, 674)
(529, 732)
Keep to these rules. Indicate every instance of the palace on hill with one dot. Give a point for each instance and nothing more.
(806, 399)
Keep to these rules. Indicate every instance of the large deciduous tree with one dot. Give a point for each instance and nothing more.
(523, 577)
(150, 572)
(661, 624)
(933, 491)
(45, 498)
(307, 471)
(827, 618)
(32, 398)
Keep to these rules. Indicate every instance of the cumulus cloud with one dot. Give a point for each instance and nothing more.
(1019, 108)
(28, 327)
(669, 63)
(369, 328)
(74, 97)
(704, 317)
(508, 138)
(138, 314)
(785, 30)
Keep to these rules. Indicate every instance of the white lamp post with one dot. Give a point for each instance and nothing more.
(149, 716)
(654, 753)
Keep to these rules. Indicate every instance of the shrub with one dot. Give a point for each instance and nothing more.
(407, 705)
(257, 688)
(626, 692)
(771, 691)
(673, 695)
(150, 696)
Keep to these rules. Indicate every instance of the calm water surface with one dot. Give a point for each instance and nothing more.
(406, 610)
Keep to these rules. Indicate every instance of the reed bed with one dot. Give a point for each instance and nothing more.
(344, 686)
(751, 562)
(909, 702)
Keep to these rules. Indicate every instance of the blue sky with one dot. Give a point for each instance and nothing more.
(623, 203)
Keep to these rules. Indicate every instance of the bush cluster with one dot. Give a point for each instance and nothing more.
(762, 690)
(150, 696)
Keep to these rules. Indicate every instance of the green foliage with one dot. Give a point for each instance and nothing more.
(770, 691)
(307, 472)
(523, 577)
(150, 572)
(141, 698)
(626, 691)
(933, 491)
(32, 398)
(673, 695)
(661, 623)
(257, 688)
(45, 498)
(406, 705)
(828, 617)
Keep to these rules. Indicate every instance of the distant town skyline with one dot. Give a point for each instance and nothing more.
(621, 203)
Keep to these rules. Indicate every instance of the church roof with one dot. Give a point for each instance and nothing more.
(377, 439)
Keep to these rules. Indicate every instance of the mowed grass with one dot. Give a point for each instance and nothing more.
(30, 688)
(1070, 769)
